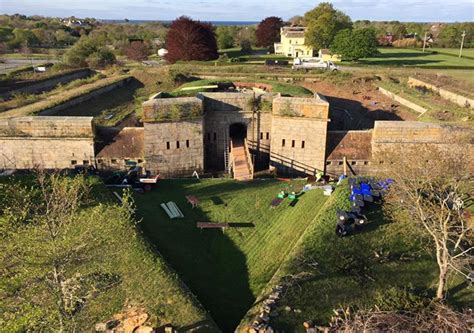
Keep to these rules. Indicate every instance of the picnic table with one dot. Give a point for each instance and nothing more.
(192, 200)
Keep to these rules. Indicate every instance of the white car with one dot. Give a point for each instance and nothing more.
(314, 64)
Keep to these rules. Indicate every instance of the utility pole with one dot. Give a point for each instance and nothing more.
(424, 41)
(462, 43)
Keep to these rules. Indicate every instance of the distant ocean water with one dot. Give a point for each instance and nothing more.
(217, 23)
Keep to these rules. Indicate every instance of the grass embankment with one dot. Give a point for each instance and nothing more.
(416, 58)
(144, 278)
(439, 109)
(111, 108)
(348, 271)
(226, 270)
(277, 87)
(61, 96)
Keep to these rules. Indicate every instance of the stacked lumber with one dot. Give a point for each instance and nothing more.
(172, 210)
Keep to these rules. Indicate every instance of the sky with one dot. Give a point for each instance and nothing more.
(243, 10)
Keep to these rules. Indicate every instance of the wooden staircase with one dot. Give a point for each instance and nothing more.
(241, 160)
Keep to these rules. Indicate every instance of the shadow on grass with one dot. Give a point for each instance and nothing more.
(399, 62)
(208, 261)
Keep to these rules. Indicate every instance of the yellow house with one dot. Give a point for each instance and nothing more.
(292, 43)
(326, 55)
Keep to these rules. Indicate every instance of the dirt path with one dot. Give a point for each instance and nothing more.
(358, 104)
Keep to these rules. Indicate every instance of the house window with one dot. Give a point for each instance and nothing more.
(261, 135)
(113, 160)
(353, 163)
(366, 162)
(139, 161)
(292, 143)
(73, 162)
(177, 144)
(340, 162)
(328, 162)
(380, 162)
(208, 136)
(268, 136)
(215, 136)
(283, 143)
(85, 162)
(168, 145)
(99, 160)
(187, 143)
(302, 144)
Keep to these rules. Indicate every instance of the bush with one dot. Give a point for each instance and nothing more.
(90, 52)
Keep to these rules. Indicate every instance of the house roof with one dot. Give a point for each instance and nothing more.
(125, 143)
(354, 145)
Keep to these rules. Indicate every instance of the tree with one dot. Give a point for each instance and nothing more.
(268, 31)
(246, 46)
(51, 253)
(428, 190)
(89, 51)
(297, 20)
(191, 40)
(225, 39)
(323, 23)
(356, 44)
(136, 50)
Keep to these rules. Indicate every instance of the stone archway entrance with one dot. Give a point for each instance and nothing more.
(238, 131)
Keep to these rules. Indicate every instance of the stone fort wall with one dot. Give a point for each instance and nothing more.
(46, 142)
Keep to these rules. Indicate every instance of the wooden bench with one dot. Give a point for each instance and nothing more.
(192, 200)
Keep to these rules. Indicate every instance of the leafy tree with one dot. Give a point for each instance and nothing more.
(49, 254)
(268, 31)
(297, 20)
(356, 44)
(191, 40)
(399, 31)
(225, 39)
(323, 23)
(24, 36)
(246, 46)
(89, 52)
(6, 34)
(137, 50)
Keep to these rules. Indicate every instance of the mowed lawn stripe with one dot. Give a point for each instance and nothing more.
(226, 270)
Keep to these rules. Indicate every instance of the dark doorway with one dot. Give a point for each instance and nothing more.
(238, 131)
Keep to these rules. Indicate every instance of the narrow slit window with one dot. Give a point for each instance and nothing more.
(187, 143)
(292, 143)
(302, 144)
(261, 135)
(215, 136)
(177, 144)
(168, 145)
(268, 136)
(283, 143)
(208, 136)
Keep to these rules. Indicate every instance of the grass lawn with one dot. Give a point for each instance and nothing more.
(277, 87)
(226, 270)
(455, 52)
(415, 58)
(349, 273)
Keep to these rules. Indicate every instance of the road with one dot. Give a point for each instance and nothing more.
(11, 64)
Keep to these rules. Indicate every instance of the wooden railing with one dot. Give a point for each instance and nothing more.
(249, 158)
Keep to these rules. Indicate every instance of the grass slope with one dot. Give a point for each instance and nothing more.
(226, 270)
(146, 280)
(344, 264)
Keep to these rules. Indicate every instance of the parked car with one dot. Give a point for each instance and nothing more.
(314, 63)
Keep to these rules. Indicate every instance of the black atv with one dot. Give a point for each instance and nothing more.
(347, 222)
